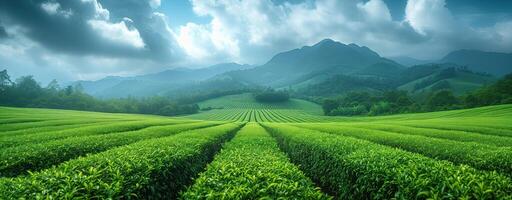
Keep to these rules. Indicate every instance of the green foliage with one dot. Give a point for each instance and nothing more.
(196, 97)
(349, 168)
(360, 103)
(100, 129)
(458, 154)
(454, 135)
(156, 168)
(270, 95)
(442, 100)
(246, 101)
(259, 115)
(479, 156)
(442, 75)
(441, 85)
(342, 84)
(17, 160)
(26, 92)
(349, 111)
(251, 166)
(497, 93)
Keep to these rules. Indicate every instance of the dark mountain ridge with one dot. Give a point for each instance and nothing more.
(154, 84)
(287, 67)
(329, 67)
(498, 64)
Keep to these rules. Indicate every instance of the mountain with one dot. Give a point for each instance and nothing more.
(154, 84)
(327, 56)
(327, 68)
(498, 64)
(409, 61)
(421, 79)
(418, 80)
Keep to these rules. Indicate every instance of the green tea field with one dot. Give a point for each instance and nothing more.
(241, 149)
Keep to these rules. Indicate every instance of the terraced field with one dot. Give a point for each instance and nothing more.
(255, 151)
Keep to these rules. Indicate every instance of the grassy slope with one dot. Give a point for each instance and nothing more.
(10, 112)
(238, 106)
(246, 101)
(461, 84)
(243, 102)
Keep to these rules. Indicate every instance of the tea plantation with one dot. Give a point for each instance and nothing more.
(241, 149)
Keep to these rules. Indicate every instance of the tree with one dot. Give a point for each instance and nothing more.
(53, 85)
(380, 108)
(5, 86)
(271, 95)
(328, 105)
(68, 90)
(5, 79)
(442, 100)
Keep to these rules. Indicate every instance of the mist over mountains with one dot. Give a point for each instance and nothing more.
(324, 69)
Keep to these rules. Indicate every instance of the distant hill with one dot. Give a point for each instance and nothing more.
(154, 84)
(293, 66)
(417, 80)
(409, 61)
(432, 77)
(328, 68)
(498, 64)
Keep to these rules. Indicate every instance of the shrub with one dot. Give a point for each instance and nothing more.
(350, 168)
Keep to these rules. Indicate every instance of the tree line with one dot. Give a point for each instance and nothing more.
(27, 92)
(270, 95)
(395, 101)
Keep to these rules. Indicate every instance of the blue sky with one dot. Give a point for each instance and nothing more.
(488, 12)
(181, 13)
(90, 39)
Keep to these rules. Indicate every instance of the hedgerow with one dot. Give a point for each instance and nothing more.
(22, 124)
(251, 166)
(479, 156)
(82, 131)
(156, 168)
(17, 160)
(461, 136)
(350, 168)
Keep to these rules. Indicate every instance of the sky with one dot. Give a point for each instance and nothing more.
(72, 40)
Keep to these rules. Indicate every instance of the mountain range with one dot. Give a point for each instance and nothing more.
(154, 84)
(325, 69)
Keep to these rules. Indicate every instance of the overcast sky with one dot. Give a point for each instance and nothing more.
(89, 39)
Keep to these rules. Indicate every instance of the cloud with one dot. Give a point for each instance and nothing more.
(429, 16)
(117, 32)
(69, 36)
(53, 8)
(91, 38)
(254, 30)
(444, 32)
(44, 23)
(3, 33)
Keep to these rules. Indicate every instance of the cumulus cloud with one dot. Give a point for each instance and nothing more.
(53, 8)
(91, 38)
(74, 34)
(254, 30)
(117, 32)
(429, 16)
